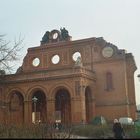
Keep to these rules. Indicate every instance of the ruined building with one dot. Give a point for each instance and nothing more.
(69, 80)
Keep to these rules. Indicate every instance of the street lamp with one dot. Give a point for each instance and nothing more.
(138, 76)
(34, 99)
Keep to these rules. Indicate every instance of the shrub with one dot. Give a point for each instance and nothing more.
(94, 131)
(135, 133)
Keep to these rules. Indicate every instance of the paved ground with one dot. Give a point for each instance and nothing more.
(65, 135)
(62, 135)
(78, 137)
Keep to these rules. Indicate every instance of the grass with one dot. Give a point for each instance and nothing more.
(45, 131)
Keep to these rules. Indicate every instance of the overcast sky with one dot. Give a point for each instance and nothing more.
(117, 21)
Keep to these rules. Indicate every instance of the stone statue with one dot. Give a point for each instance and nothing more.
(55, 36)
(64, 34)
(46, 38)
(78, 61)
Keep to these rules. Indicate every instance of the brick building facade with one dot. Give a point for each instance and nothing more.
(70, 80)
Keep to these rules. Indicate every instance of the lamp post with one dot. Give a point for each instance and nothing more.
(34, 99)
(138, 76)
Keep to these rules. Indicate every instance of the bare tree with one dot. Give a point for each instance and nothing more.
(9, 54)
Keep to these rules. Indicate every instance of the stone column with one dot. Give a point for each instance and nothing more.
(83, 103)
(83, 108)
(50, 110)
(76, 110)
(27, 112)
(78, 107)
(73, 110)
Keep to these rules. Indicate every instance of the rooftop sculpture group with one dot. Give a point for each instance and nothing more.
(55, 35)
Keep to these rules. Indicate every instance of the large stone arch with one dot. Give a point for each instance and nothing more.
(33, 89)
(58, 86)
(63, 105)
(38, 107)
(62, 94)
(12, 91)
(15, 100)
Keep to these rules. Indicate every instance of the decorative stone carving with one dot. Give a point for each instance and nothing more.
(55, 36)
(46, 38)
(77, 87)
(64, 34)
(78, 62)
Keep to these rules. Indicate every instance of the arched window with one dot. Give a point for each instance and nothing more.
(15, 102)
(109, 81)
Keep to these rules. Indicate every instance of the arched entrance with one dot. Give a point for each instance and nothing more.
(63, 106)
(39, 110)
(16, 108)
(88, 103)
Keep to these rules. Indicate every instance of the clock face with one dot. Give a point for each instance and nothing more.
(107, 51)
(55, 35)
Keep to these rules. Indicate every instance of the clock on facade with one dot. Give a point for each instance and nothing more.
(55, 35)
(107, 51)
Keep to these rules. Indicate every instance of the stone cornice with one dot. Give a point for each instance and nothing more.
(63, 43)
(49, 75)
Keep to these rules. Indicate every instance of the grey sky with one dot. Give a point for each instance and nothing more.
(117, 21)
